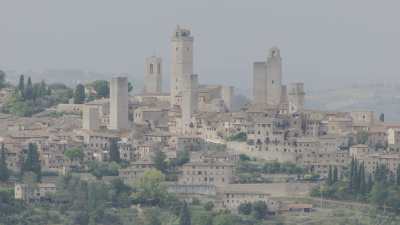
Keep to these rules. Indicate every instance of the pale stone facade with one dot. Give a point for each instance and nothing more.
(296, 97)
(153, 75)
(206, 173)
(31, 192)
(90, 118)
(267, 79)
(182, 62)
(119, 104)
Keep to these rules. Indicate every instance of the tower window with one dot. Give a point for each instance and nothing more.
(272, 82)
(151, 68)
(159, 68)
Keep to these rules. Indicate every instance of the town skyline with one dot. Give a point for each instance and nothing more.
(314, 41)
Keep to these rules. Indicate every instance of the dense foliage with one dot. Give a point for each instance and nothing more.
(241, 137)
(250, 171)
(381, 188)
(29, 98)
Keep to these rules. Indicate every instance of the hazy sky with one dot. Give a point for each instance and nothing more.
(329, 41)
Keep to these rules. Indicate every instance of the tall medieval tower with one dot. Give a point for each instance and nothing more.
(182, 63)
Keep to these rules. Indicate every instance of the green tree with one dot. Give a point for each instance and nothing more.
(4, 172)
(114, 151)
(159, 160)
(185, 218)
(182, 157)
(398, 175)
(2, 79)
(130, 86)
(226, 219)
(362, 137)
(245, 208)
(151, 190)
(330, 176)
(102, 88)
(29, 90)
(382, 117)
(79, 94)
(21, 85)
(209, 206)
(369, 183)
(363, 185)
(74, 154)
(32, 162)
(378, 195)
(259, 210)
(202, 218)
(351, 178)
(150, 217)
(335, 175)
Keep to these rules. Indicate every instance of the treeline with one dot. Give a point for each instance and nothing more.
(251, 171)
(382, 188)
(30, 164)
(29, 98)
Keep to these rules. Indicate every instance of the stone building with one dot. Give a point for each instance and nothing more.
(153, 75)
(182, 62)
(267, 79)
(296, 97)
(90, 118)
(33, 192)
(119, 104)
(206, 173)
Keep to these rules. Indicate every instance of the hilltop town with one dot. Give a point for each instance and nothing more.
(272, 157)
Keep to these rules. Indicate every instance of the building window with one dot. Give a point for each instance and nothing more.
(151, 68)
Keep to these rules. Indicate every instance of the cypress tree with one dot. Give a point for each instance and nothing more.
(21, 85)
(356, 181)
(32, 162)
(4, 172)
(398, 175)
(335, 175)
(369, 184)
(330, 176)
(79, 94)
(185, 215)
(29, 89)
(114, 151)
(363, 187)
(352, 174)
(42, 89)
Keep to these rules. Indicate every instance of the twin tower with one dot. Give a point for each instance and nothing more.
(268, 88)
(183, 84)
(182, 77)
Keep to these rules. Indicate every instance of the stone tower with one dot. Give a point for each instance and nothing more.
(259, 83)
(153, 75)
(182, 62)
(189, 100)
(90, 118)
(296, 96)
(274, 77)
(119, 104)
(227, 96)
(267, 79)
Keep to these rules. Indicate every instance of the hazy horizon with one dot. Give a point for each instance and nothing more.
(322, 43)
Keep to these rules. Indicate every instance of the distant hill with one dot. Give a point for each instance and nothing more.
(381, 98)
